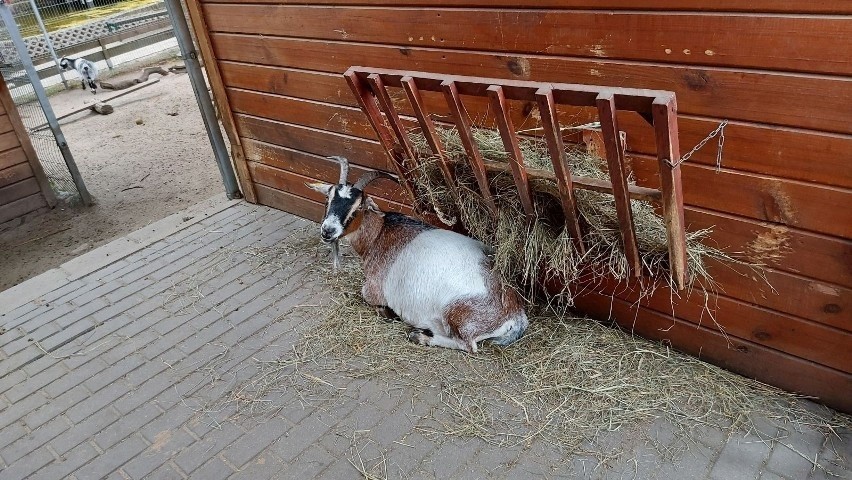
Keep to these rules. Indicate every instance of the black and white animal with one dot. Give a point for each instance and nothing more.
(87, 70)
(439, 282)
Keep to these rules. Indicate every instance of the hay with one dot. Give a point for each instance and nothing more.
(569, 382)
(524, 251)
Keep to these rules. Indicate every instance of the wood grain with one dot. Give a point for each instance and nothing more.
(22, 207)
(745, 41)
(766, 149)
(777, 6)
(746, 358)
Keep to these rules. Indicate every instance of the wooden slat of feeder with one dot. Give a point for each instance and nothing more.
(510, 144)
(368, 105)
(561, 169)
(427, 126)
(668, 155)
(474, 156)
(392, 117)
(618, 177)
(637, 100)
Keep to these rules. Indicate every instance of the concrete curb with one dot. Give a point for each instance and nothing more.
(113, 251)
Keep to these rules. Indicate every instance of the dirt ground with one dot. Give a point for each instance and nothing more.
(147, 160)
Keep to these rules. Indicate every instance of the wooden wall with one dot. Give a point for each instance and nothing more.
(24, 188)
(780, 71)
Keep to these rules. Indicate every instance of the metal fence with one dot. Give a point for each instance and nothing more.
(113, 34)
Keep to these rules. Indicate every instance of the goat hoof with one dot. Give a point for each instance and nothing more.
(387, 314)
(418, 337)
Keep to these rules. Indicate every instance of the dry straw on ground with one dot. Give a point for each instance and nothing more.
(570, 382)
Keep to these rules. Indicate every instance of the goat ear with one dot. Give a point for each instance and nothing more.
(371, 206)
(323, 188)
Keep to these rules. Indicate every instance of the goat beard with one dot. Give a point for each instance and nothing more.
(335, 255)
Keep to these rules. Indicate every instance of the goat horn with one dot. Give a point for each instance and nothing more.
(368, 177)
(344, 168)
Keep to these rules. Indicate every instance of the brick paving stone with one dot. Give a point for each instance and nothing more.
(124, 425)
(694, 464)
(84, 431)
(74, 378)
(99, 292)
(787, 462)
(767, 475)
(164, 447)
(128, 334)
(192, 457)
(265, 467)
(33, 440)
(164, 472)
(741, 459)
(56, 406)
(415, 452)
(106, 463)
(70, 461)
(340, 469)
(51, 371)
(18, 410)
(258, 439)
(214, 469)
(24, 467)
(11, 434)
(97, 402)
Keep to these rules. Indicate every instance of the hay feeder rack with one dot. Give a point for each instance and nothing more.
(657, 107)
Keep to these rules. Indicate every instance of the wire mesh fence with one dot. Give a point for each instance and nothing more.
(115, 34)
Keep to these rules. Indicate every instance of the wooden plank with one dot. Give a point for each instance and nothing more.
(295, 184)
(19, 190)
(618, 177)
(26, 144)
(321, 168)
(15, 174)
(770, 150)
(822, 302)
(22, 207)
(358, 150)
(8, 141)
(474, 156)
(561, 168)
(5, 123)
(12, 157)
(214, 76)
(513, 151)
(289, 203)
(787, 249)
(794, 204)
(782, 99)
(688, 38)
(746, 358)
(668, 164)
(805, 339)
(783, 248)
(776, 6)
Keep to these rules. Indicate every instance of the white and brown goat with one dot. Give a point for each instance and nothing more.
(439, 282)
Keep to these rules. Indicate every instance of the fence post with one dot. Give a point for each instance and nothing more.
(23, 54)
(202, 96)
(49, 42)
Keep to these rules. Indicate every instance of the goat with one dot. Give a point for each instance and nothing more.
(87, 70)
(439, 282)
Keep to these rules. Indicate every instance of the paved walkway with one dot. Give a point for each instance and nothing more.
(100, 360)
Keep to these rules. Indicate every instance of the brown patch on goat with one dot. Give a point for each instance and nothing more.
(378, 245)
